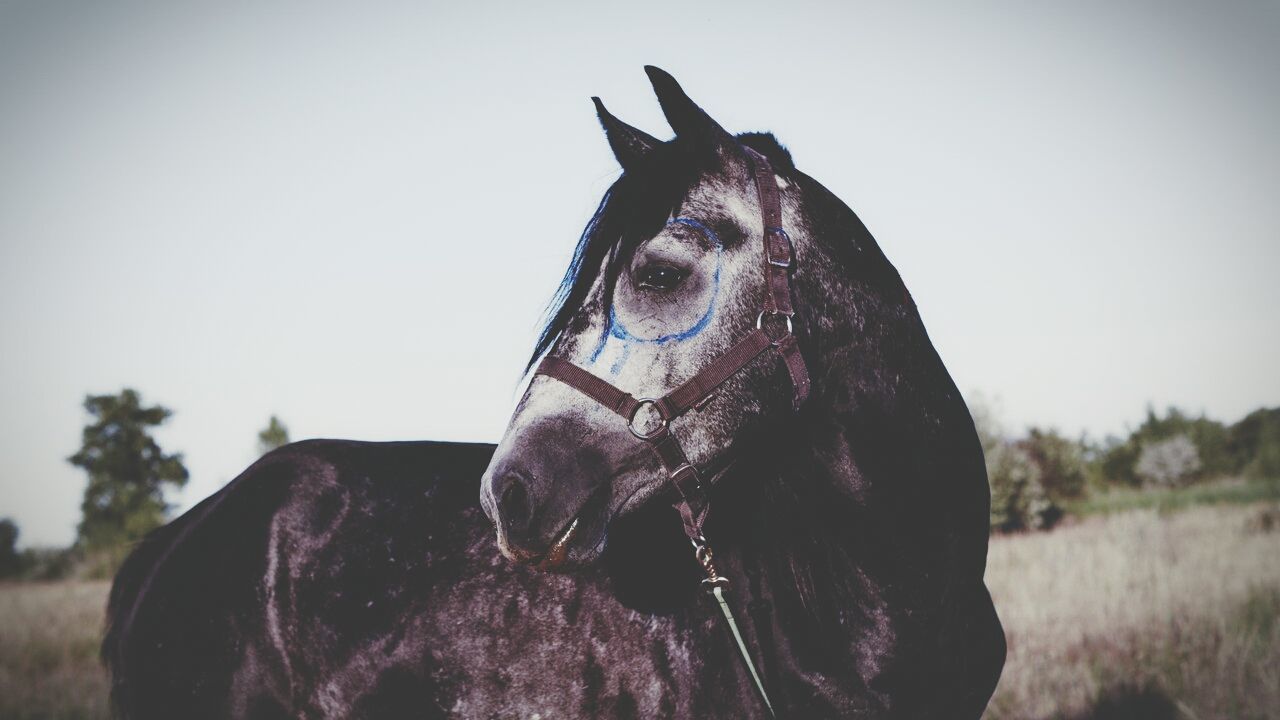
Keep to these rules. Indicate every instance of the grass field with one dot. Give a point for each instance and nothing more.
(1143, 615)
(1137, 615)
(49, 636)
(1237, 491)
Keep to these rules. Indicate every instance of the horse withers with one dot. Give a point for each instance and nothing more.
(848, 521)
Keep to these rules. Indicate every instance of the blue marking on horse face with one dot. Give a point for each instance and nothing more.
(622, 359)
(615, 328)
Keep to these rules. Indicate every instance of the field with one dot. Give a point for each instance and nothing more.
(49, 635)
(1142, 614)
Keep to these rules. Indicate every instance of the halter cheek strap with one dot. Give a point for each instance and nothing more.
(779, 258)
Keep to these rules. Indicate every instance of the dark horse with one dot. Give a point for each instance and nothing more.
(337, 579)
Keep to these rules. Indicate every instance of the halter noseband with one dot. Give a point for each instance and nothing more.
(693, 502)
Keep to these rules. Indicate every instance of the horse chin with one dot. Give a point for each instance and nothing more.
(576, 553)
(581, 542)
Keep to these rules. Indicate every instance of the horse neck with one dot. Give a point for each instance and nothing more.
(811, 516)
(791, 545)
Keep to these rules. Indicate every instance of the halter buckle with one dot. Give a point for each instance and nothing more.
(777, 247)
(662, 426)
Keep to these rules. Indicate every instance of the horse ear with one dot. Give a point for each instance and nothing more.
(629, 144)
(690, 122)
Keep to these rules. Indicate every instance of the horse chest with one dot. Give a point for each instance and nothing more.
(496, 641)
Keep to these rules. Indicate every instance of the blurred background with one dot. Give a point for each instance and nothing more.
(227, 225)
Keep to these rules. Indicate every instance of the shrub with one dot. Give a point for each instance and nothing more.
(1264, 461)
(1029, 478)
(1116, 460)
(1018, 498)
(10, 561)
(49, 563)
(1257, 434)
(1061, 463)
(1169, 463)
(1218, 450)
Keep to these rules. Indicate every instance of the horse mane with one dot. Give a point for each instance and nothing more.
(634, 209)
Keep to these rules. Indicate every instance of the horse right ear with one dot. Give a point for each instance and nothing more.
(629, 144)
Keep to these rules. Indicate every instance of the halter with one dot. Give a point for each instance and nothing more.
(777, 310)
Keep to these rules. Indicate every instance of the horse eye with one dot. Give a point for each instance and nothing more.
(659, 277)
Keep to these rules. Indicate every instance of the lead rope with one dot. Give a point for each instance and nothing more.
(715, 583)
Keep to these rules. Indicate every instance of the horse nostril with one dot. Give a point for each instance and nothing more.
(514, 505)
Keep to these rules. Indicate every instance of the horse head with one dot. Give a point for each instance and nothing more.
(668, 275)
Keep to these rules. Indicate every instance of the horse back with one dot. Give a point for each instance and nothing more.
(193, 621)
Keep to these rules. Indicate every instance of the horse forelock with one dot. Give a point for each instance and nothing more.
(633, 209)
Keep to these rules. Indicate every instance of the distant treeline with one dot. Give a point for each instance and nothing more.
(1036, 478)
(124, 498)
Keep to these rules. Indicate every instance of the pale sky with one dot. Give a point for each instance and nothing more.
(353, 215)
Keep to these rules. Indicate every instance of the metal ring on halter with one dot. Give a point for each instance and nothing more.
(760, 319)
(631, 422)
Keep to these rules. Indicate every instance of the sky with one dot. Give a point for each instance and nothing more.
(352, 215)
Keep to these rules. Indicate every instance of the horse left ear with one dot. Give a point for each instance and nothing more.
(691, 123)
(629, 144)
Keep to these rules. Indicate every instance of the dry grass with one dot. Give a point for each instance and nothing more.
(49, 636)
(1138, 615)
(1142, 615)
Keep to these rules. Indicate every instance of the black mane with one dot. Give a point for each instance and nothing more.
(632, 210)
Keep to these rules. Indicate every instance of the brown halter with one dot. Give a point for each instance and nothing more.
(778, 261)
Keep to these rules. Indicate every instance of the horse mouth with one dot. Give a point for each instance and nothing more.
(581, 538)
(555, 557)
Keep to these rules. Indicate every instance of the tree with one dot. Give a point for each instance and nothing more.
(10, 561)
(1018, 498)
(1115, 461)
(1169, 463)
(1209, 438)
(1254, 444)
(1265, 463)
(273, 436)
(128, 472)
(1062, 471)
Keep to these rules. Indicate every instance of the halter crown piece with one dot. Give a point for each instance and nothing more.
(693, 502)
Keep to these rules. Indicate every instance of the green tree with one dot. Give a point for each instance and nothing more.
(1062, 471)
(1116, 461)
(1212, 442)
(10, 560)
(1254, 444)
(1018, 497)
(1265, 463)
(128, 472)
(273, 436)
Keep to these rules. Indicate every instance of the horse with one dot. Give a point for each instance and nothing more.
(815, 449)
